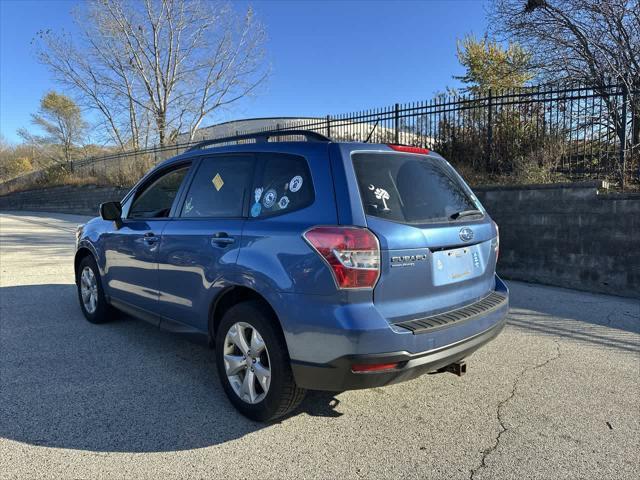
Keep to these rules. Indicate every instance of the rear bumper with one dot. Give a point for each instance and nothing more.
(323, 359)
(337, 375)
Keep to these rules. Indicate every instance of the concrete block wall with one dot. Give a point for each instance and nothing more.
(82, 200)
(568, 235)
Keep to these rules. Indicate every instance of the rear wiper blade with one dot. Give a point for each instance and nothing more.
(465, 213)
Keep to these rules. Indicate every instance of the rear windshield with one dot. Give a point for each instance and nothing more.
(409, 188)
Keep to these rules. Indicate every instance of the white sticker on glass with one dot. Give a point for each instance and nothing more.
(283, 202)
(269, 198)
(381, 194)
(295, 184)
(188, 206)
(257, 194)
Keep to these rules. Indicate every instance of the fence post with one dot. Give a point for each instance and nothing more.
(397, 122)
(623, 134)
(329, 126)
(488, 154)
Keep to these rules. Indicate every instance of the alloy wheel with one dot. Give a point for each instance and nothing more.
(246, 362)
(89, 290)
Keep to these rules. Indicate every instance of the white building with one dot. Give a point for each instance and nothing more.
(237, 127)
(339, 129)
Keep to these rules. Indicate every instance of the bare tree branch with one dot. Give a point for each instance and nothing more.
(171, 62)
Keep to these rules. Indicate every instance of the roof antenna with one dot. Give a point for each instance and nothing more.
(372, 130)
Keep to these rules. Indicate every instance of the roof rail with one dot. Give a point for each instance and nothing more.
(263, 137)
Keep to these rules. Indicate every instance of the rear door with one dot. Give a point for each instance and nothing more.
(202, 242)
(437, 242)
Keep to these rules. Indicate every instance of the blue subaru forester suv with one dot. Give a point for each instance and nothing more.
(307, 264)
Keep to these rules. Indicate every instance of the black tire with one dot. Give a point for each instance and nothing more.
(283, 395)
(103, 310)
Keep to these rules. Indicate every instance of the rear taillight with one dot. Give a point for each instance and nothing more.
(408, 149)
(352, 253)
(496, 241)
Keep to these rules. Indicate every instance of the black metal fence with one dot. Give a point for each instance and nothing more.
(542, 133)
(559, 132)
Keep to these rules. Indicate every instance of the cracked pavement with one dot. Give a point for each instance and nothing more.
(502, 405)
(556, 395)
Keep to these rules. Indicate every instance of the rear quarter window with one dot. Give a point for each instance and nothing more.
(409, 188)
(283, 184)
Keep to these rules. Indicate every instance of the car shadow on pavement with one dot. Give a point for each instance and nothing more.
(123, 386)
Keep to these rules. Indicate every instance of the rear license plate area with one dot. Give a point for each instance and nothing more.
(455, 265)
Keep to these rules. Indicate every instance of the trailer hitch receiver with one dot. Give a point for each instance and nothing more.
(457, 368)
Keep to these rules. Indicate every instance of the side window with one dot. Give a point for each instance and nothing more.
(284, 185)
(219, 187)
(156, 199)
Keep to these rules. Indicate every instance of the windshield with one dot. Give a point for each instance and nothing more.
(410, 188)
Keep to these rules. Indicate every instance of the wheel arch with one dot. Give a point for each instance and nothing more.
(232, 296)
(80, 255)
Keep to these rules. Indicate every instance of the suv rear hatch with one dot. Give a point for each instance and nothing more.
(438, 245)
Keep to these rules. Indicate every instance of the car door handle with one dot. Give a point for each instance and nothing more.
(150, 238)
(221, 239)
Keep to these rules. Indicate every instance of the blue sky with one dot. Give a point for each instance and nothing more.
(327, 57)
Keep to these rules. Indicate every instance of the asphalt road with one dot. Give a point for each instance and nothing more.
(557, 395)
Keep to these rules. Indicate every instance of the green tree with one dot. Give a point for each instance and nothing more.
(14, 160)
(61, 120)
(490, 65)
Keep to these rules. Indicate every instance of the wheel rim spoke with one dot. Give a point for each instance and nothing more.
(263, 375)
(257, 343)
(249, 386)
(234, 364)
(237, 337)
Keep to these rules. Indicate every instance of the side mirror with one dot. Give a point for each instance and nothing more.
(111, 211)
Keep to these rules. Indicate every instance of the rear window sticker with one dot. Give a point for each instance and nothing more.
(269, 198)
(295, 183)
(284, 202)
(188, 206)
(256, 209)
(381, 194)
(257, 193)
(217, 182)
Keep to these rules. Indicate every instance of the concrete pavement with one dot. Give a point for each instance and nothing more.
(556, 395)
